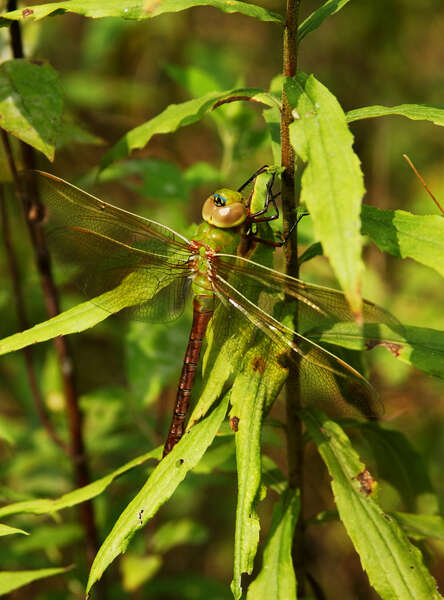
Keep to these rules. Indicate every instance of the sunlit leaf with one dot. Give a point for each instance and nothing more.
(12, 580)
(277, 579)
(48, 506)
(31, 103)
(159, 487)
(404, 235)
(394, 566)
(135, 9)
(176, 116)
(317, 17)
(418, 346)
(81, 317)
(417, 112)
(332, 181)
(137, 570)
(7, 530)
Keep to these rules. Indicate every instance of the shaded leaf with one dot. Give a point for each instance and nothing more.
(178, 532)
(160, 485)
(277, 579)
(135, 9)
(421, 526)
(394, 566)
(417, 112)
(332, 181)
(404, 235)
(48, 506)
(12, 580)
(31, 103)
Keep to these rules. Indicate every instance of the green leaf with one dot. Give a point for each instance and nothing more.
(31, 103)
(49, 506)
(418, 346)
(12, 580)
(421, 526)
(394, 566)
(399, 463)
(417, 112)
(137, 570)
(404, 235)
(317, 17)
(83, 316)
(134, 9)
(162, 482)
(311, 252)
(7, 530)
(176, 533)
(277, 579)
(332, 182)
(176, 116)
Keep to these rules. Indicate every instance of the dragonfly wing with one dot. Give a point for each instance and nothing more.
(111, 247)
(317, 305)
(324, 378)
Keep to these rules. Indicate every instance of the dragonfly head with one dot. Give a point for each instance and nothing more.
(225, 208)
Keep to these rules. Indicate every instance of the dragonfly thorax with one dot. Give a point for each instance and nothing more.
(225, 208)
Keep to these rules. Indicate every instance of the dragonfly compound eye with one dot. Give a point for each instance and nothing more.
(225, 208)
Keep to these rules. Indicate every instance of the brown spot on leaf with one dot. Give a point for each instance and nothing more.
(37, 61)
(234, 423)
(367, 482)
(27, 11)
(394, 348)
(258, 364)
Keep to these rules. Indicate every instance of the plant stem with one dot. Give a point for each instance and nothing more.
(289, 209)
(28, 196)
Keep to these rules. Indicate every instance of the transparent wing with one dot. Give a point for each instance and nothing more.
(324, 378)
(109, 245)
(317, 304)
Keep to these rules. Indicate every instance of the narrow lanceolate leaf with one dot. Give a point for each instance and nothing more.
(7, 530)
(48, 506)
(12, 580)
(404, 235)
(250, 392)
(134, 9)
(31, 103)
(277, 578)
(317, 17)
(332, 182)
(417, 112)
(80, 317)
(159, 487)
(418, 346)
(176, 116)
(394, 566)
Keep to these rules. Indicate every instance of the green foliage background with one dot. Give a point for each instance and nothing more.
(116, 74)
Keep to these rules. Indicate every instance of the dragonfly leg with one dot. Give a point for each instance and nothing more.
(253, 177)
(281, 243)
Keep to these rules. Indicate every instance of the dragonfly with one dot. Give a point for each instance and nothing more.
(237, 296)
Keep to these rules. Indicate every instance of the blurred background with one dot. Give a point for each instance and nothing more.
(115, 76)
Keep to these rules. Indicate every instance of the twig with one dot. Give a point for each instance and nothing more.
(289, 209)
(28, 196)
(23, 324)
(428, 190)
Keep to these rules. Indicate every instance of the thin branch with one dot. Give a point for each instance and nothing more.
(23, 324)
(289, 207)
(428, 190)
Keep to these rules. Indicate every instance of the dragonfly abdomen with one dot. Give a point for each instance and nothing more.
(202, 313)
